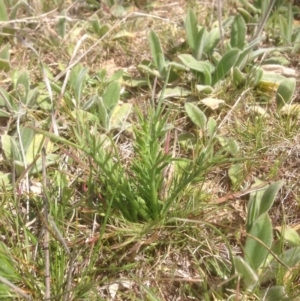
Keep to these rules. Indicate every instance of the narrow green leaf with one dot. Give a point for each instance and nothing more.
(225, 64)
(191, 28)
(285, 92)
(238, 33)
(268, 197)
(245, 271)
(255, 252)
(196, 115)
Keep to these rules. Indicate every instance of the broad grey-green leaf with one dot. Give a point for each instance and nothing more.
(61, 26)
(200, 66)
(285, 92)
(290, 109)
(277, 293)
(3, 11)
(271, 81)
(212, 103)
(211, 127)
(200, 42)
(118, 10)
(5, 58)
(80, 84)
(7, 269)
(196, 115)
(289, 235)
(176, 92)
(229, 144)
(291, 258)
(212, 40)
(10, 148)
(19, 6)
(191, 28)
(111, 95)
(94, 20)
(206, 89)
(35, 147)
(245, 271)
(85, 116)
(117, 76)
(4, 114)
(5, 100)
(245, 56)
(268, 197)
(225, 64)
(27, 136)
(157, 52)
(5, 178)
(239, 78)
(238, 33)
(257, 77)
(103, 114)
(23, 86)
(37, 166)
(254, 205)
(119, 115)
(255, 252)
(235, 174)
(149, 70)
